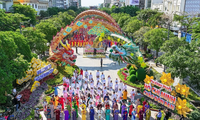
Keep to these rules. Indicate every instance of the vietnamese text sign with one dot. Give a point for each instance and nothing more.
(158, 95)
(43, 69)
(43, 75)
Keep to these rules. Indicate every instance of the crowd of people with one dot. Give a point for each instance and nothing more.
(84, 94)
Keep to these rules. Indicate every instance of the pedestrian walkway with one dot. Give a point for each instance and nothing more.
(92, 65)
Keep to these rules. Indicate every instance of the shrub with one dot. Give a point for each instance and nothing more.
(194, 115)
(128, 66)
(132, 72)
(130, 69)
(126, 71)
(132, 78)
(141, 74)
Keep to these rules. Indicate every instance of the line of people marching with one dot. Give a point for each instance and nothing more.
(87, 95)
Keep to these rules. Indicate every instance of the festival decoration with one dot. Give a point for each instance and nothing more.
(178, 88)
(182, 89)
(166, 79)
(143, 65)
(173, 93)
(35, 85)
(181, 107)
(98, 30)
(64, 55)
(148, 79)
(185, 90)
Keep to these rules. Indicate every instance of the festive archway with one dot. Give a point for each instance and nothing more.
(77, 25)
(99, 13)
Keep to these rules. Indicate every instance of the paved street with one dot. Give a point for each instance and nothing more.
(92, 65)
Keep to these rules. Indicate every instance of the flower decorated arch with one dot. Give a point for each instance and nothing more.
(77, 25)
(98, 13)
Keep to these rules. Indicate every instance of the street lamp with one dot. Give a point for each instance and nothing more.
(21, 23)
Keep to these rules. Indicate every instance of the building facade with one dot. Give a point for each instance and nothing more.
(76, 3)
(138, 3)
(6, 5)
(38, 5)
(119, 3)
(106, 3)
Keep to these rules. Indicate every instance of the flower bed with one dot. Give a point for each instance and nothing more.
(25, 110)
(25, 95)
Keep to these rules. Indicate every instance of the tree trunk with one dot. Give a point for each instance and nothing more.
(156, 57)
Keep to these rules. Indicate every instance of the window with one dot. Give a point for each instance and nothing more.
(35, 5)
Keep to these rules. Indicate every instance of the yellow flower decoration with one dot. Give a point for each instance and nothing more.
(118, 39)
(184, 90)
(143, 65)
(48, 99)
(148, 79)
(102, 34)
(178, 88)
(108, 37)
(100, 39)
(140, 59)
(173, 93)
(132, 54)
(166, 79)
(181, 107)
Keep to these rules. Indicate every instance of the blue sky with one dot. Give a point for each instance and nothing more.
(87, 3)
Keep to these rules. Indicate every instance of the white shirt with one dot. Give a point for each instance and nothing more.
(90, 76)
(97, 79)
(92, 91)
(18, 97)
(109, 79)
(116, 85)
(73, 78)
(14, 91)
(121, 85)
(103, 87)
(119, 93)
(111, 85)
(99, 91)
(80, 77)
(102, 76)
(104, 92)
(100, 113)
(77, 91)
(99, 85)
(77, 85)
(114, 96)
(86, 79)
(86, 73)
(97, 73)
(103, 81)
(132, 92)
(85, 85)
(92, 85)
(125, 87)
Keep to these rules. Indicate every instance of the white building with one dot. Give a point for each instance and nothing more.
(119, 3)
(106, 2)
(6, 4)
(138, 3)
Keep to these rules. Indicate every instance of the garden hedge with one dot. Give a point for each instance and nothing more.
(132, 78)
(141, 74)
(132, 72)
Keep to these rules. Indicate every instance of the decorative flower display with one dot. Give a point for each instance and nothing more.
(181, 107)
(166, 79)
(148, 79)
(132, 54)
(143, 65)
(178, 88)
(140, 59)
(182, 89)
(108, 37)
(100, 39)
(173, 93)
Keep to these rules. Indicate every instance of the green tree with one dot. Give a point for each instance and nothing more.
(44, 14)
(196, 31)
(148, 14)
(132, 27)
(123, 19)
(13, 66)
(36, 40)
(107, 10)
(48, 29)
(10, 21)
(25, 10)
(155, 38)
(139, 35)
(72, 13)
(131, 10)
(186, 21)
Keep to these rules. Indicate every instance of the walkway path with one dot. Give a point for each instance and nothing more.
(92, 65)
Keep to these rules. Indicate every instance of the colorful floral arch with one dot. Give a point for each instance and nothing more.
(77, 25)
(99, 13)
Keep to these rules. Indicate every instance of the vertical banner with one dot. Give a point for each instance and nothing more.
(134, 2)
